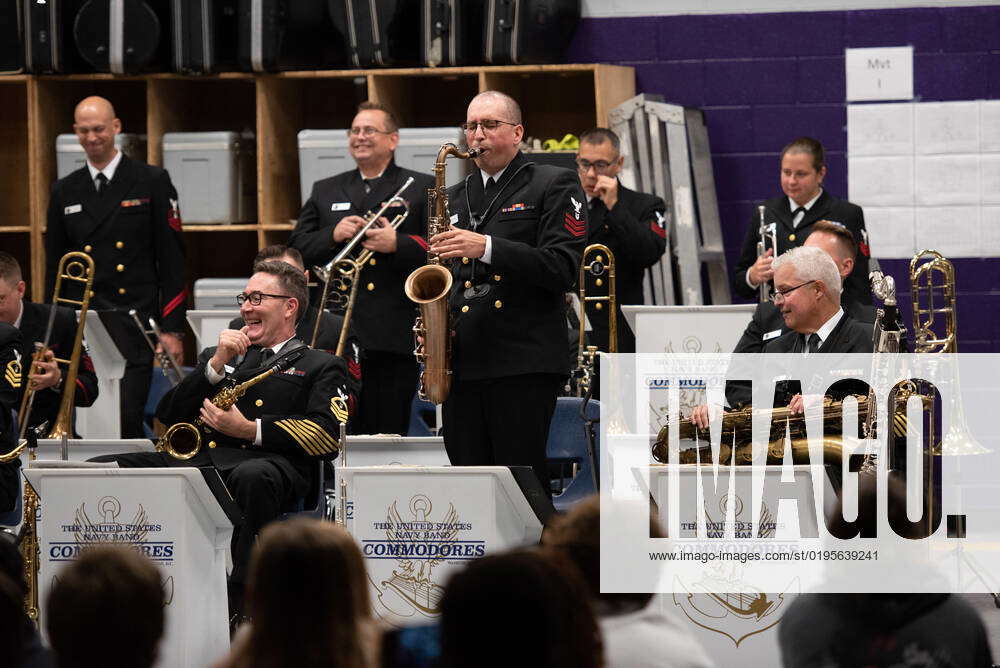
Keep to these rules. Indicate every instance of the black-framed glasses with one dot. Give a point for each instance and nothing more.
(487, 124)
(366, 131)
(255, 297)
(779, 295)
(599, 166)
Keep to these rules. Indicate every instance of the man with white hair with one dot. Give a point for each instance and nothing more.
(807, 293)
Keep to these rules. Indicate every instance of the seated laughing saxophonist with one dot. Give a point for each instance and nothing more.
(265, 446)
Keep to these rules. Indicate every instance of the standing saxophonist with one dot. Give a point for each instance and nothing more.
(261, 446)
(383, 316)
(516, 241)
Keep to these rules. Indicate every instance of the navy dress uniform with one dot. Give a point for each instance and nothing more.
(34, 319)
(827, 207)
(635, 231)
(10, 383)
(327, 340)
(509, 346)
(299, 411)
(383, 315)
(767, 323)
(132, 230)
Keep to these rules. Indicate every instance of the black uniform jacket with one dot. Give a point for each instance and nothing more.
(827, 207)
(133, 233)
(510, 320)
(329, 336)
(34, 319)
(10, 382)
(635, 232)
(849, 336)
(767, 324)
(299, 409)
(383, 316)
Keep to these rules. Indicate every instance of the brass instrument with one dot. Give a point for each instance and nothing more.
(183, 440)
(429, 287)
(345, 272)
(153, 336)
(77, 268)
(600, 267)
(765, 233)
(932, 291)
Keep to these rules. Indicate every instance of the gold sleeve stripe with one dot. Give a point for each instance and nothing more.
(295, 435)
(13, 373)
(899, 425)
(310, 436)
(326, 443)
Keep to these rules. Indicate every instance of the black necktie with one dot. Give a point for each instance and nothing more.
(812, 342)
(369, 184)
(265, 356)
(491, 190)
(795, 213)
(101, 183)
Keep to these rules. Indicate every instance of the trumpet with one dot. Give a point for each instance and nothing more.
(345, 272)
(183, 440)
(766, 233)
(153, 336)
(601, 267)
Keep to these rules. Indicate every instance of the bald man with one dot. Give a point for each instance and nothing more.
(518, 231)
(124, 214)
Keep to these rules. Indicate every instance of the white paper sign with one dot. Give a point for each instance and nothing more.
(883, 73)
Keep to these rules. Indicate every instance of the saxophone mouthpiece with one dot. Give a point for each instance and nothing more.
(475, 152)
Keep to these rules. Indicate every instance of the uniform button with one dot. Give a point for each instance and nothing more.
(598, 282)
(211, 444)
(259, 402)
(465, 260)
(496, 277)
(498, 303)
(598, 306)
(244, 446)
(119, 245)
(120, 268)
(88, 248)
(791, 237)
(121, 291)
(468, 284)
(371, 286)
(372, 262)
(465, 309)
(91, 294)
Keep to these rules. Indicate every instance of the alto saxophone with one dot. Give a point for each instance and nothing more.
(429, 286)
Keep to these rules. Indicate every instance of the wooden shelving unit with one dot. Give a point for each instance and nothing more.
(555, 99)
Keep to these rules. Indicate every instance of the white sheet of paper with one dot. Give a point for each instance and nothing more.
(989, 169)
(947, 127)
(880, 73)
(989, 121)
(947, 179)
(891, 231)
(989, 231)
(951, 230)
(880, 129)
(881, 181)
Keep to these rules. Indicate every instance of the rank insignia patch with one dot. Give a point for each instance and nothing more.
(12, 374)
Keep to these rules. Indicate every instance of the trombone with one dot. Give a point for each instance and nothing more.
(153, 336)
(345, 272)
(601, 267)
(78, 268)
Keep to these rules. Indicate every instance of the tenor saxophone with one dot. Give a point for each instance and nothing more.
(429, 286)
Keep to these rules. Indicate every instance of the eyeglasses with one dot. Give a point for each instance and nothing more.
(599, 166)
(488, 125)
(366, 131)
(779, 295)
(255, 297)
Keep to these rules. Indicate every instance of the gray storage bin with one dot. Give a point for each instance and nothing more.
(70, 156)
(323, 153)
(217, 293)
(215, 175)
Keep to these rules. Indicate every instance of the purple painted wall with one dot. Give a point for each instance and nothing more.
(764, 79)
